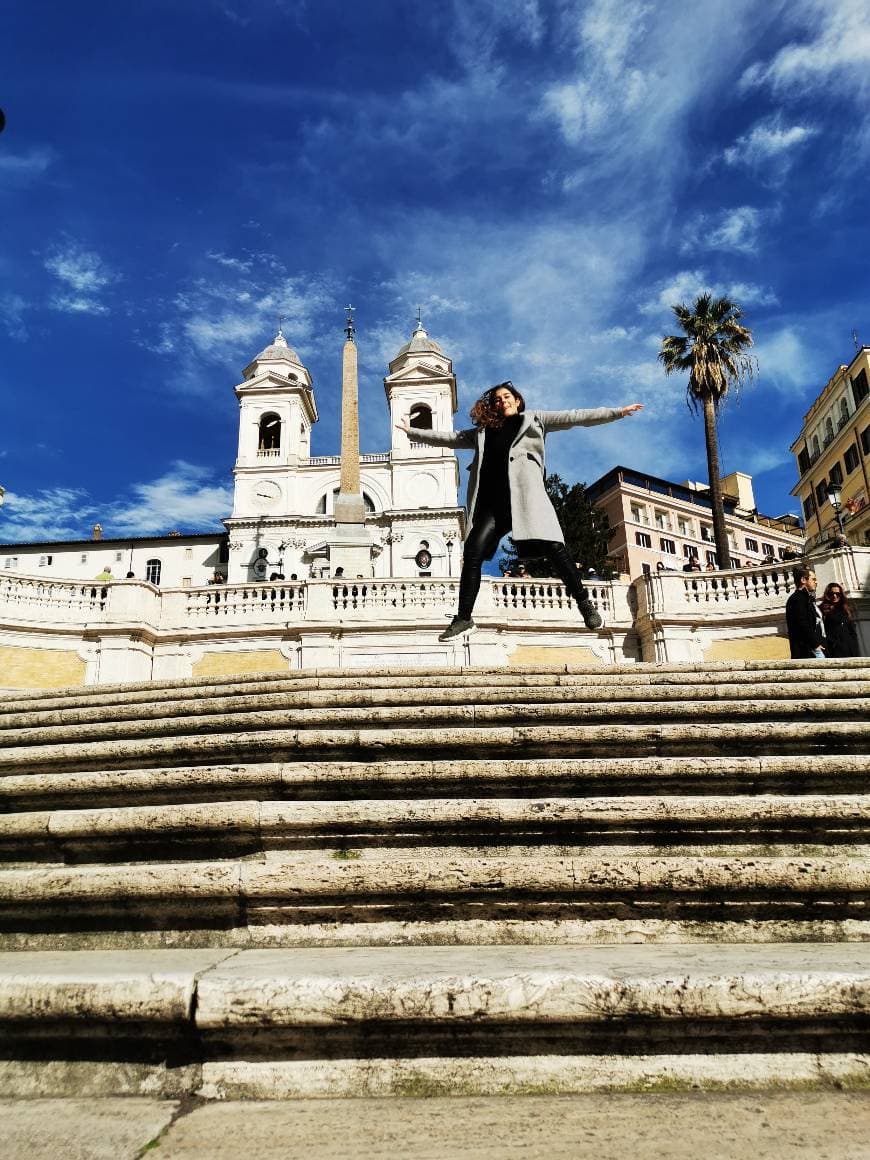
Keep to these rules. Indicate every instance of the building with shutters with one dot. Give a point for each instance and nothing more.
(833, 456)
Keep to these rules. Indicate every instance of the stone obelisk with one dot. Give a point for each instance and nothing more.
(351, 545)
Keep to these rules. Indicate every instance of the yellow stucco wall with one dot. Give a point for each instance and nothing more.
(40, 668)
(234, 664)
(530, 654)
(749, 648)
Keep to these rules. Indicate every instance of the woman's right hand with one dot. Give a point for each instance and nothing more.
(404, 425)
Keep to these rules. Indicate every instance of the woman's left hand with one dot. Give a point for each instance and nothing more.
(631, 408)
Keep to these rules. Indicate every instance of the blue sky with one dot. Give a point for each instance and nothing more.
(544, 178)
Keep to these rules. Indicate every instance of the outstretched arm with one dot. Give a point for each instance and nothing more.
(467, 438)
(561, 420)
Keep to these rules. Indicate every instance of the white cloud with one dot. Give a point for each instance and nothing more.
(184, 497)
(55, 513)
(12, 310)
(21, 168)
(687, 285)
(834, 50)
(769, 141)
(242, 264)
(609, 86)
(785, 362)
(83, 276)
(734, 230)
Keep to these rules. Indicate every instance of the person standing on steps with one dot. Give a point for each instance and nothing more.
(506, 490)
(806, 633)
(841, 635)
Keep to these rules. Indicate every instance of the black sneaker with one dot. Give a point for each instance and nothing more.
(590, 614)
(457, 627)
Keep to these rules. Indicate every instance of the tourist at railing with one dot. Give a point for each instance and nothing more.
(803, 618)
(506, 490)
(841, 634)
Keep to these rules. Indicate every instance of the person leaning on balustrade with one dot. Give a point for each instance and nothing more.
(806, 632)
(841, 635)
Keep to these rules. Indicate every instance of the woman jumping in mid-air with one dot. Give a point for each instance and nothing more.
(506, 489)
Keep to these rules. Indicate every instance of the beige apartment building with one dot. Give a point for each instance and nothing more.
(833, 457)
(659, 524)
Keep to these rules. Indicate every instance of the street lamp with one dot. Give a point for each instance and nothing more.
(834, 500)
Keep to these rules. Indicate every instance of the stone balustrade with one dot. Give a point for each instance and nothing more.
(132, 630)
(31, 599)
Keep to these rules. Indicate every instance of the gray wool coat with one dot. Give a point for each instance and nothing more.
(533, 515)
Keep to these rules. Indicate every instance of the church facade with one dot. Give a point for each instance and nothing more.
(283, 497)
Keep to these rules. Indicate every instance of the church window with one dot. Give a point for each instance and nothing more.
(83, 559)
(829, 431)
(11, 562)
(815, 447)
(321, 509)
(269, 442)
(153, 568)
(844, 413)
(45, 560)
(421, 417)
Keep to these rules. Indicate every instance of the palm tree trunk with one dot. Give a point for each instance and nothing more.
(723, 548)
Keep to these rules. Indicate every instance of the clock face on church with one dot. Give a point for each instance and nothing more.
(265, 494)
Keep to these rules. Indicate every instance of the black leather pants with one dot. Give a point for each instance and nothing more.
(487, 530)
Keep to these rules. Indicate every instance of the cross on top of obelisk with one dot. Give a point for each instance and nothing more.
(349, 327)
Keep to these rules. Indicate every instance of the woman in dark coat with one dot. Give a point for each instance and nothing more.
(841, 635)
(506, 489)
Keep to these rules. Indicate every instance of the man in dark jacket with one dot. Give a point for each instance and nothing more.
(803, 619)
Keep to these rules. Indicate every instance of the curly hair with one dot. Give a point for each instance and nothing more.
(828, 605)
(484, 414)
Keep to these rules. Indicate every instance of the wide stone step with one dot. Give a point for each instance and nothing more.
(307, 780)
(152, 692)
(413, 1020)
(185, 713)
(571, 713)
(362, 827)
(810, 733)
(207, 896)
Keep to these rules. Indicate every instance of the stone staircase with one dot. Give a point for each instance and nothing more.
(439, 881)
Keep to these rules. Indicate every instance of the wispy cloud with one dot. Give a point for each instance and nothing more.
(229, 315)
(184, 497)
(735, 230)
(54, 513)
(83, 277)
(18, 169)
(687, 285)
(833, 50)
(12, 311)
(769, 143)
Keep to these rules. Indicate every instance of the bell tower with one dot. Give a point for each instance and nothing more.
(276, 413)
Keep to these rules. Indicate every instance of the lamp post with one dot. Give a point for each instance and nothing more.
(834, 499)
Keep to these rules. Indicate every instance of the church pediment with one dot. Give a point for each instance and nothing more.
(418, 372)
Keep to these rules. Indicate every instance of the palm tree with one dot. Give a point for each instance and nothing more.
(713, 351)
